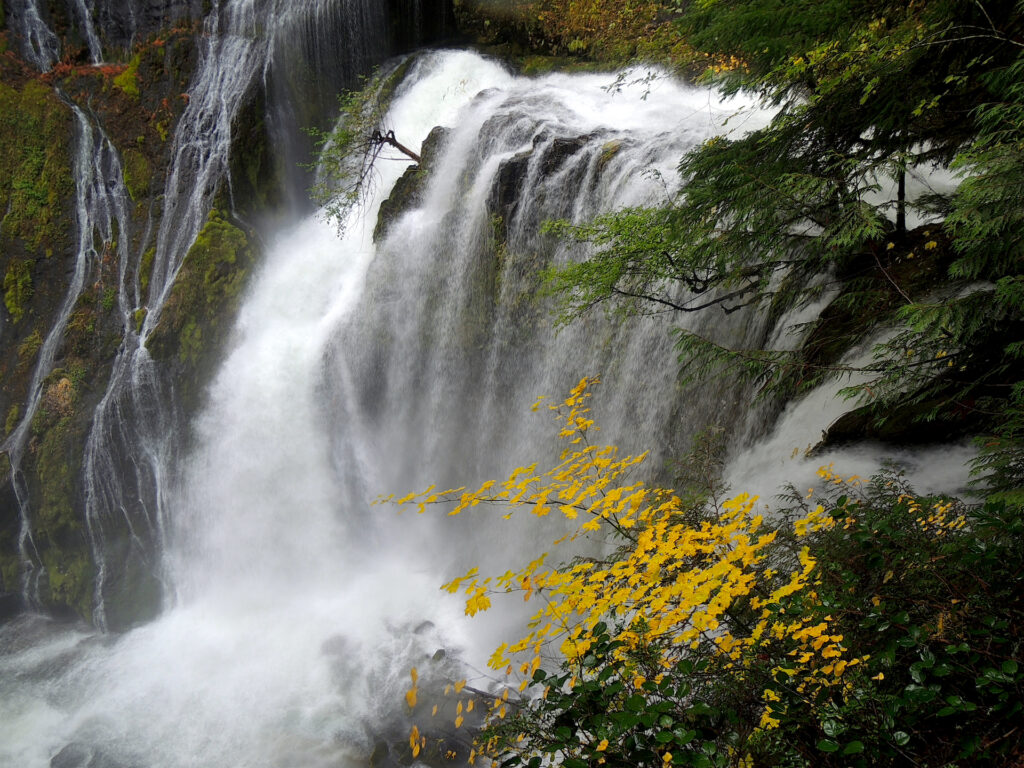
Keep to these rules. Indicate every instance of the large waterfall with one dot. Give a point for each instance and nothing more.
(356, 367)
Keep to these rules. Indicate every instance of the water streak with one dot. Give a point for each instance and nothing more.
(39, 45)
(101, 213)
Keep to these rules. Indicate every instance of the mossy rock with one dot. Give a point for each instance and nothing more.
(206, 289)
(52, 467)
(196, 318)
(128, 81)
(146, 269)
(408, 190)
(36, 185)
(137, 174)
(256, 180)
(18, 288)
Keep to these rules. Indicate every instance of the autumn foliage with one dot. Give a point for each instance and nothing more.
(863, 623)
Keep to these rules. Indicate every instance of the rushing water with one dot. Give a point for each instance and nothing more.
(295, 605)
(295, 609)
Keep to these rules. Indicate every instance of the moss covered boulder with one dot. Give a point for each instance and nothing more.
(196, 317)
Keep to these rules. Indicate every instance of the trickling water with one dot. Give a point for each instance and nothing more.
(39, 45)
(92, 39)
(100, 208)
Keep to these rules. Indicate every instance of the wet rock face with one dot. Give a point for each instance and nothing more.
(120, 23)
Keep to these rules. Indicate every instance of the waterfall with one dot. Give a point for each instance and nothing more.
(100, 208)
(297, 610)
(357, 368)
(39, 45)
(131, 451)
(92, 38)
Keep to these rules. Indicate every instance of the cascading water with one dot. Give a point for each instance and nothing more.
(101, 213)
(356, 369)
(297, 611)
(131, 450)
(39, 45)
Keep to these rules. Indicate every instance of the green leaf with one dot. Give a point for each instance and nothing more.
(854, 748)
(684, 736)
(833, 727)
(1009, 667)
(900, 738)
(625, 720)
(827, 745)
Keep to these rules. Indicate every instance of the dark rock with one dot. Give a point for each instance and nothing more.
(408, 190)
(508, 184)
(77, 755)
(11, 604)
(905, 426)
(74, 756)
(423, 626)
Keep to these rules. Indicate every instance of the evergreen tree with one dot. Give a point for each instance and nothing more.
(864, 91)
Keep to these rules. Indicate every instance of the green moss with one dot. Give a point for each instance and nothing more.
(146, 269)
(18, 287)
(58, 532)
(69, 581)
(137, 174)
(80, 330)
(609, 151)
(10, 568)
(12, 419)
(56, 512)
(207, 287)
(140, 318)
(128, 81)
(29, 347)
(35, 167)
(109, 299)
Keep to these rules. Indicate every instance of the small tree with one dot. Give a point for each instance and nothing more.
(865, 626)
(348, 154)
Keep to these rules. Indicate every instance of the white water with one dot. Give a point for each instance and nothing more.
(787, 454)
(291, 632)
(297, 609)
(38, 43)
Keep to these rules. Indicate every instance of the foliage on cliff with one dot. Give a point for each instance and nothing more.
(608, 31)
(866, 92)
(865, 625)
